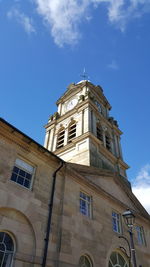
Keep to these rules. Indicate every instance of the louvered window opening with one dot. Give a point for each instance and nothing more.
(72, 132)
(60, 140)
(108, 145)
(99, 133)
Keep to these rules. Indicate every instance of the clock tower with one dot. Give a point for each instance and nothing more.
(81, 131)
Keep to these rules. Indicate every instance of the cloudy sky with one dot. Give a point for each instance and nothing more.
(46, 44)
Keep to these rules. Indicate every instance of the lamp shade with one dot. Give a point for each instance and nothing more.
(129, 218)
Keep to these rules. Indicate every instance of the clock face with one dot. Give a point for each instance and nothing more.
(71, 104)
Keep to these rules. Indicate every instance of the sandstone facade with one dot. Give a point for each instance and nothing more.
(24, 212)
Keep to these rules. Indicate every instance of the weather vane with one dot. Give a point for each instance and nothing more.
(84, 75)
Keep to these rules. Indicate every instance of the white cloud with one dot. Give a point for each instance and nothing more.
(21, 18)
(63, 17)
(141, 186)
(113, 65)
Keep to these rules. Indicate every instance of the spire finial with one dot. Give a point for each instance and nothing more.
(84, 75)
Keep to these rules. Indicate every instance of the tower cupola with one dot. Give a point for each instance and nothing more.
(81, 131)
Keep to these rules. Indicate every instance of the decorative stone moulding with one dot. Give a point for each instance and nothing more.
(81, 98)
(104, 128)
(51, 118)
(56, 115)
(111, 120)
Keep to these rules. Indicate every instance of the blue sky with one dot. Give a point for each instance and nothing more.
(44, 46)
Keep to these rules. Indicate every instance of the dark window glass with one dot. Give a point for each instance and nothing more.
(14, 177)
(1, 257)
(2, 247)
(16, 169)
(27, 183)
(1, 236)
(9, 243)
(28, 176)
(20, 180)
(22, 173)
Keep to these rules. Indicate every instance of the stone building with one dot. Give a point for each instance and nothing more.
(61, 204)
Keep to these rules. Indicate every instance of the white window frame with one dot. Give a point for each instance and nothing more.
(85, 204)
(116, 220)
(26, 166)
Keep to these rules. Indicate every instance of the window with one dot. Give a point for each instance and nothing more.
(85, 262)
(98, 106)
(117, 260)
(60, 138)
(116, 222)
(22, 173)
(108, 141)
(140, 235)
(71, 131)
(99, 132)
(6, 250)
(85, 204)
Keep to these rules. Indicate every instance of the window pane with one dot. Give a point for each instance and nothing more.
(114, 225)
(2, 247)
(8, 242)
(1, 236)
(85, 204)
(22, 173)
(1, 257)
(116, 222)
(20, 180)
(16, 169)
(28, 175)
(114, 258)
(27, 183)
(14, 177)
(121, 260)
(7, 260)
(87, 263)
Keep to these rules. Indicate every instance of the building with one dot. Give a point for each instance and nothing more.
(61, 205)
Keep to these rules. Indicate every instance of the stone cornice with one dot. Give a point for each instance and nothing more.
(9, 132)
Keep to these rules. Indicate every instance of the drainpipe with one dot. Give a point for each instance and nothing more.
(50, 205)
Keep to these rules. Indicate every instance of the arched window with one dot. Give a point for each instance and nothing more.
(60, 138)
(108, 141)
(99, 132)
(117, 260)
(6, 250)
(71, 131)
(85, 261)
